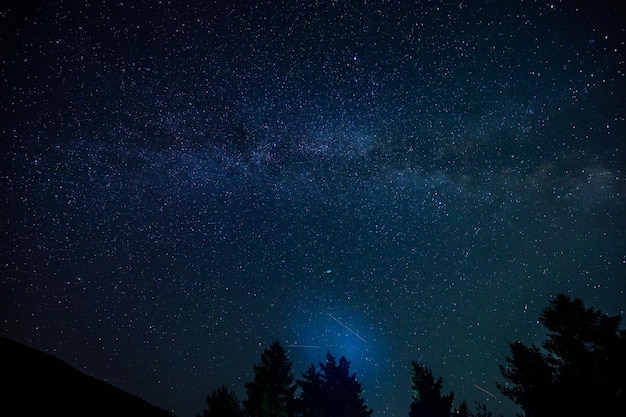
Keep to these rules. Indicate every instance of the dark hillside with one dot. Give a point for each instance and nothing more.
(35, 383)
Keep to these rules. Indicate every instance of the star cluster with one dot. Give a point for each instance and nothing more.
(185, 182)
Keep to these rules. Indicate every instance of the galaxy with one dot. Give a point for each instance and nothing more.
(185, 182)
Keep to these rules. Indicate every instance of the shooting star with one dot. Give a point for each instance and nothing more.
(485, 391)
(303, 346)
(347, 328)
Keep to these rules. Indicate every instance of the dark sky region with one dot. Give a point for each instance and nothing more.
(185, 182)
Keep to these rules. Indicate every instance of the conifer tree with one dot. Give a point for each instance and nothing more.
(463, 410)
(271, 393)
(581, 370)
(427, 398)
(311, 399)
(222, 403)
(332, 392)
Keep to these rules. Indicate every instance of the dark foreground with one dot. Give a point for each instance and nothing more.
(34, 383)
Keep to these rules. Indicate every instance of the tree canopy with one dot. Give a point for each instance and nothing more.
(580, 370)
(271, 393)
(222, 403)
(427, 398)
(332, 391)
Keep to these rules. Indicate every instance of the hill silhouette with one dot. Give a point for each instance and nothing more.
(36, 383)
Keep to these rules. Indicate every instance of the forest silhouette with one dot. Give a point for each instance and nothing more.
(579, 370)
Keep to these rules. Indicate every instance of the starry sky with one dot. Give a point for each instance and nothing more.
(184, 182)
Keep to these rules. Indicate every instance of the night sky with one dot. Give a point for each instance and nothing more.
(183, 183)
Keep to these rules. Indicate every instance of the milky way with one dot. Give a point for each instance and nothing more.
(184, 183)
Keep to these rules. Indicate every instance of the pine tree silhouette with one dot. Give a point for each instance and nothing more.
(427, 398)
(222, 403)
(271, 393)
(332, 392)
(311, 399)
(581, 370)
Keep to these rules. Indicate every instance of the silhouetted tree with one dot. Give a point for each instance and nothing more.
(311, 399)
(481, 411)
(581, 370)
(463, 411)
(271, 393)
(222, 403)
(332, 392)
(427, 398)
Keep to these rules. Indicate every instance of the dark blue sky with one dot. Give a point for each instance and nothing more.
(185, 182)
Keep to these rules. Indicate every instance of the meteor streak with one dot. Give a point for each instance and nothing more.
(485, 391)
(303, 346)
(347, 328)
